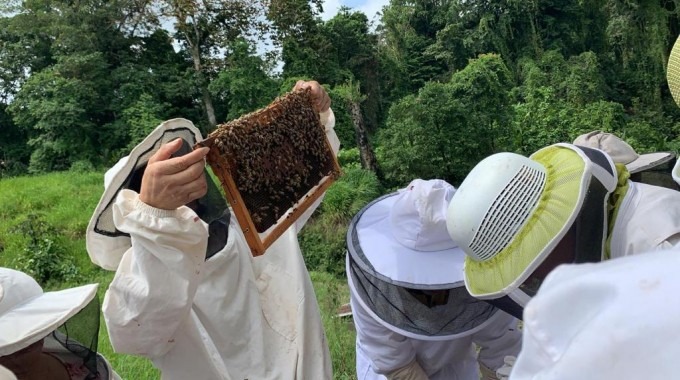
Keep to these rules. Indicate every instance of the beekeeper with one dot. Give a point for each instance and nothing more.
(519, 217)
(606, 321)
(187, 293)
(652, 168)
(413, 317)
(49, 335)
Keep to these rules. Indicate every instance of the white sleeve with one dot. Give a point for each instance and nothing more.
(154, 286)
(328, 120)
(387, 350)
(500, 338)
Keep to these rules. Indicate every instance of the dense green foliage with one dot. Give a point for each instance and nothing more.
(438, 84)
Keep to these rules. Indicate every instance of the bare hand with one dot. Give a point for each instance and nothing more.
(171, 182)
(320, 98)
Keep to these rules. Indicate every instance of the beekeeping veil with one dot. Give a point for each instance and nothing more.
(105, 243)
(519, 217)
(406, 272)
(66, 320)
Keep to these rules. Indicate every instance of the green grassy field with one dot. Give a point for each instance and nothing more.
(65, 201)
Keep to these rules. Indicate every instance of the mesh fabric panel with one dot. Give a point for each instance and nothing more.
(79, 335)
(508, 212)
(660, 175)
(673, 73)
(546, 225)
(396, 306)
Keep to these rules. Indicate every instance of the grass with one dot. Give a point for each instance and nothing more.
(66, 201)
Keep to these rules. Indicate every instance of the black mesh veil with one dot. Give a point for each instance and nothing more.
(79, 336)
(659, 175)
(401, 305)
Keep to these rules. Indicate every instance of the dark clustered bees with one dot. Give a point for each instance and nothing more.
(275, 155)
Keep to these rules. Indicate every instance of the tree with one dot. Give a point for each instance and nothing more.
(352, 96)
(243, 85)
(444, 130)
(204, 28)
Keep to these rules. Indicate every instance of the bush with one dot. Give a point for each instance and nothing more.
(82, 166)
(43, 257)
(323, 239)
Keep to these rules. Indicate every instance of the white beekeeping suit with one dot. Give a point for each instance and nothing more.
(196, 302)
(606, 321)
(413, 317)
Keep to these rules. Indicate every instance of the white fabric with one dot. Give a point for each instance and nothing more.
(648, 219)
(230, 317)
(418, 217)
(676, 169)
(381, 350)
(27, 314)
(106, 251)
(621, 152)
(6, 374)
(606, 321)
(503, 373)
(377, 237)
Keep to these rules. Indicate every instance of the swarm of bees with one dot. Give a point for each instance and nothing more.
(274, 156)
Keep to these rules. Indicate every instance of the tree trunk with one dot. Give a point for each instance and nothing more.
(203, 85)
(368, 160)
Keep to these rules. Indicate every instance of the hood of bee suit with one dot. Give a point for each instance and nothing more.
(105, 243)
(607, 321)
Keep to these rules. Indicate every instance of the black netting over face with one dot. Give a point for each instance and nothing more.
(660, 175)
(444, 310)
(79, 336)
(448, 312)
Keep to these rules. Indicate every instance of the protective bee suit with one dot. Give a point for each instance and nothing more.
(187, 292)
(413, 317)
(606, 321)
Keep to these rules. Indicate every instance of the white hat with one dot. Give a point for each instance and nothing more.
(27, 314)
(398, 246)
(511, 212)
(621, 152)
(404, 236)
(607, 321)
(105, 244)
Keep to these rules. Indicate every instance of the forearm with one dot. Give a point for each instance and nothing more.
(154, 286)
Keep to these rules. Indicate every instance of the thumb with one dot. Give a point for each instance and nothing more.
(166, 150)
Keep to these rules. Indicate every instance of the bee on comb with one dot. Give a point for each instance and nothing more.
(272, 164)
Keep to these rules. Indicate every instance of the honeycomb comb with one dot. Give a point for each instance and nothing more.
(272, 164)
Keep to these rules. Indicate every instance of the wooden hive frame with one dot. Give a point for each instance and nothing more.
(223, 161)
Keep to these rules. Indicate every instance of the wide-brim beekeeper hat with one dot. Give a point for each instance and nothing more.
(673, 77)
(105, 243)
(622, 153)
(607, 321)
(398, 245)
(27, 314)
(511, 211)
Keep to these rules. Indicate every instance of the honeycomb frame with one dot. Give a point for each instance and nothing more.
(273, 164)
